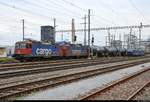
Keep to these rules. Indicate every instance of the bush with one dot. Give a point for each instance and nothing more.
(8, 60)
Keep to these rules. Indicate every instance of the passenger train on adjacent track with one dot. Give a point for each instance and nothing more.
(33, 50)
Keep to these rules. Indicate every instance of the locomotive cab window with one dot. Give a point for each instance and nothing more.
(21, 46)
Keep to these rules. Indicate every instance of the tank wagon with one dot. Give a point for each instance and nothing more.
(108, 51)
(111, 51)
(135, 52)
(100, 51)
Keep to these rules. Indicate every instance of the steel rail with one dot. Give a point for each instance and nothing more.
(8, 74)
(138, 91)
(54, 72)
(109, 86)
(32, 66)
(38, 62)
(39, 65)
(6, 92)
(57, 61)
(17, 73)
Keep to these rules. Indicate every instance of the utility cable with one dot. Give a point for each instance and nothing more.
(74, 5)
(23, 10)
(140, 13)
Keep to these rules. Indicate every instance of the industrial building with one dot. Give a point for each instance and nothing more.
(6, 51)
(146, 45)
(47, 34)
(3, 52)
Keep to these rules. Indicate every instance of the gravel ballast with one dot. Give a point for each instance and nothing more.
(144, 94)
(125, 89)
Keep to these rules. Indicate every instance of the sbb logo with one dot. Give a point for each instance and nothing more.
(46, 52)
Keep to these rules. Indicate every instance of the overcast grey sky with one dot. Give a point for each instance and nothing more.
(41, 12)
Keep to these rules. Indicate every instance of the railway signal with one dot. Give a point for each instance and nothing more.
(75, 38)
(92, 40)
(92, 46)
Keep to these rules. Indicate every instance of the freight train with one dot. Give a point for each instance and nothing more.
(27, 50)
(33, 50)
(115, 51)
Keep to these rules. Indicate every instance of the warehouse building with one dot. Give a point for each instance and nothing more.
(6, 51)
(3, 53)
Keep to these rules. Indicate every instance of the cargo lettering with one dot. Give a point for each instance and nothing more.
(46, 52)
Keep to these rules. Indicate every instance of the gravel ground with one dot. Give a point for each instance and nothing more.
(144, 95)
(124, 90)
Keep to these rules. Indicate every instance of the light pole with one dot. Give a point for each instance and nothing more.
(89, 30)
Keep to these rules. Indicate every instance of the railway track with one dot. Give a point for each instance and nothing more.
(64, 66)
(10, 90)
(132, 97)
(48, 63)
(38, 62)
(110, 91)
(28, 64)
(28, 71)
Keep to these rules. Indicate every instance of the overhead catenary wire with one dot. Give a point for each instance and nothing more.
(63, 6)
(50, 6)
(13, 21)
(86, 11)
(48, 9)
(106, 28)
(107, 6)
(139, 12)
(24, 10)
(72, 4)
(21, 9)
(98, 18)
(68, 2)
(17, 20)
